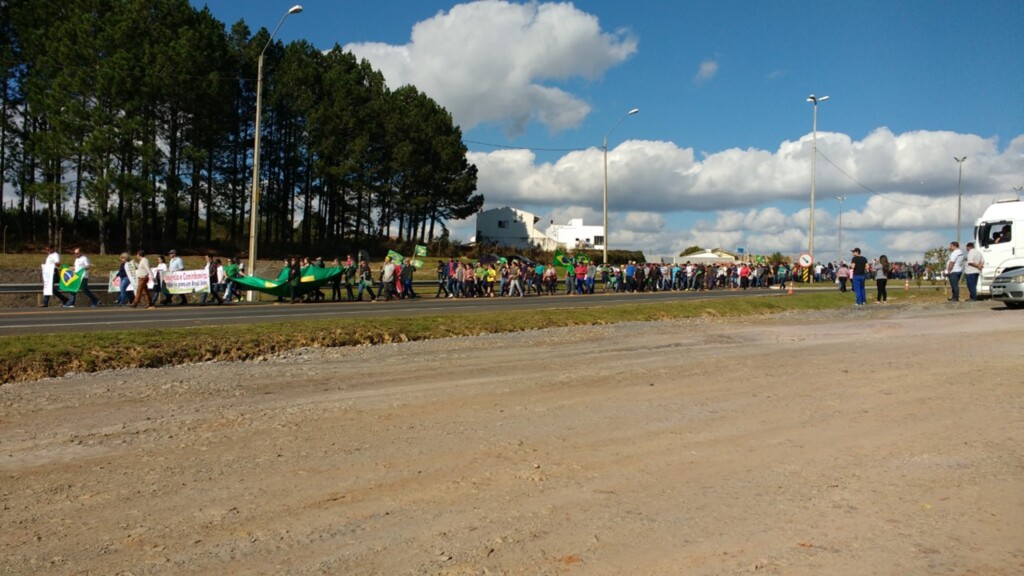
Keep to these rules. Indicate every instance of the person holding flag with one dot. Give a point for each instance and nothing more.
(77, 280)
(51, 277)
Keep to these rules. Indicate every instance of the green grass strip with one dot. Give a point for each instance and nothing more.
(39, 356)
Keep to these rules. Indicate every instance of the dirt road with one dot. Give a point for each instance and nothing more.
(877, 441)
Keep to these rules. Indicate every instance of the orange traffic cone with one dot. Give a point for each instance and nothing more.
(790, 291)
(906, 283)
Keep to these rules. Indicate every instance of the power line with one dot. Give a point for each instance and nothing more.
(868, 188)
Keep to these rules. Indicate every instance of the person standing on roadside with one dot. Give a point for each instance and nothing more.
(882, 272)
(975, 262)
(859, 273)
(842, 275)
(52, 263)
(955, 269)
(142, 273)
(82, 266)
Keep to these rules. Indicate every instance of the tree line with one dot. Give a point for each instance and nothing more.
(130, 123)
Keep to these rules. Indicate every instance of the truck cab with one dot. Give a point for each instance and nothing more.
(999, 235)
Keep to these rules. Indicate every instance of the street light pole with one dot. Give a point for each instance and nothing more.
(604, 147)
(839, 253)
(814, 161)
(959, 192)
(255, 201)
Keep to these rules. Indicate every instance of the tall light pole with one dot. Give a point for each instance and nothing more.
(840, 249)
(814, 161)
(959, 192)
(605, 148)
(254, 216)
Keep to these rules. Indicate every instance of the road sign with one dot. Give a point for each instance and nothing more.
(805, 260)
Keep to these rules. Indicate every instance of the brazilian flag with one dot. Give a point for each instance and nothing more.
(70, 281)
(562, 260)
(420, 251)
(310, 279)
(396, 258)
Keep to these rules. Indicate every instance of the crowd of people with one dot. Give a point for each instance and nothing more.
(141, 279)
(579, 277)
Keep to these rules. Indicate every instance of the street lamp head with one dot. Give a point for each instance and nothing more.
(960, 159)
(295, 9)
(634, 111)
(814, 99)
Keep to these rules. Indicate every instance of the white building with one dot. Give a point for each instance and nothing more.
(518, 229)
(511, 227)
(576, 235)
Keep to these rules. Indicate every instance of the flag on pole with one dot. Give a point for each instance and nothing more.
(420, 251)
(562, 260)
(396, 258)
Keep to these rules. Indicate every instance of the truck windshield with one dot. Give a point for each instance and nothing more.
(994, 232)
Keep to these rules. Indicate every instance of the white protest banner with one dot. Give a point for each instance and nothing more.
(187, 281)
(47, 279)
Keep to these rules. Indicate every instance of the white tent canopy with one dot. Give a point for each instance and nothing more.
(708, 257)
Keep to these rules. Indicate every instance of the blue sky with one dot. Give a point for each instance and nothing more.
(719, 155)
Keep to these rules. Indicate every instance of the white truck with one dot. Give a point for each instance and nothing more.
(999, 234)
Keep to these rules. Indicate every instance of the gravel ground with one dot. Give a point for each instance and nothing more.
(884, 440)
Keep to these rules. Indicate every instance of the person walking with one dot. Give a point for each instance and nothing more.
(860, 275)
(176, 264)
(955, 269)
(158, 277)
(294, 278)
(442, 280)
(125, 278)
(974, 263)
(387, 279)
(142, 273)
(365, 280)
(51, 277)
(82, 266)
(882, 272)
(406, 278)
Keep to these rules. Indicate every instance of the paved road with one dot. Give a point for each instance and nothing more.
(55, 320)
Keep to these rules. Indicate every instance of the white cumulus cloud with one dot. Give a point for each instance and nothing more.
(904, 187)
(494, 61)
